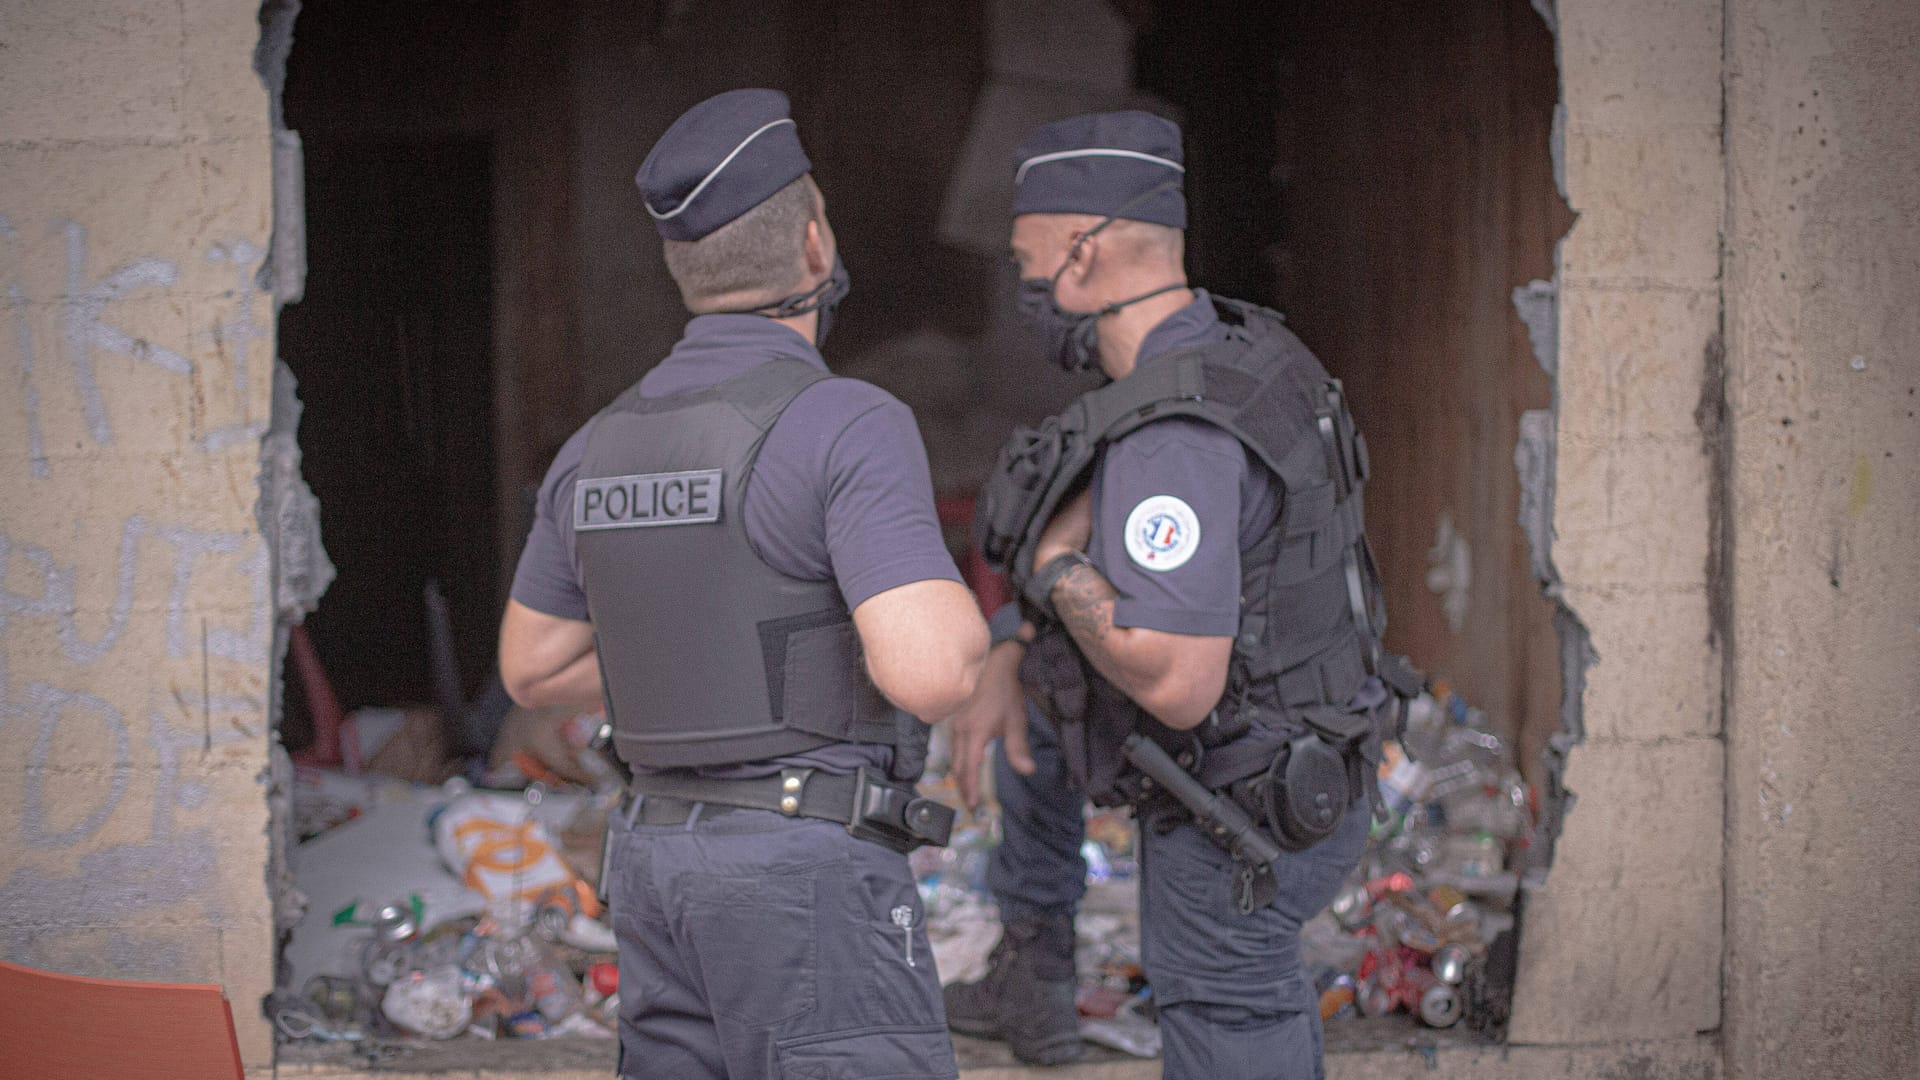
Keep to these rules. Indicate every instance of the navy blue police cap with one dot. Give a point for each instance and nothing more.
(722, 158)
(1116, 164)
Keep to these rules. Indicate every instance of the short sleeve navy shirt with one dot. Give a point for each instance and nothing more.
(1175, 502)
(841, 489)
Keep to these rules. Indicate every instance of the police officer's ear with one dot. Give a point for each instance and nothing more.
(817, 249)
(1083, 250)
(820, 245)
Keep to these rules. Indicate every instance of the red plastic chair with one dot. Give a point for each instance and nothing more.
(69, 1027)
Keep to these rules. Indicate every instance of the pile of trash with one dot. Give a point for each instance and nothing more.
(467, 908)
(1413, 930)
(439, 911)
(1411, 933)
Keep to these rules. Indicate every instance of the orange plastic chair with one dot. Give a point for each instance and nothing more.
(68, 1027)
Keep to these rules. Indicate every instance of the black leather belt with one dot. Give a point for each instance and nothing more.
(870, 806)
(656, 810)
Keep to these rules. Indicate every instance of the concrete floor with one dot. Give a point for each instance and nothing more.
(1391, 1039)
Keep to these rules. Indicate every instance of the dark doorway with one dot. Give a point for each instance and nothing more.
(393, 351)
(393, 344)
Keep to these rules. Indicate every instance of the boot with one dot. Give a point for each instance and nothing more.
(1027, 996)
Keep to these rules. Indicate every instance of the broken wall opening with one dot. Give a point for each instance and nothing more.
(484, 277)
(392, 344)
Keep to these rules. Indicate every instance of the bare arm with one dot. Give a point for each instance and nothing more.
(547, 660)
(925, 643)
(1176, 677)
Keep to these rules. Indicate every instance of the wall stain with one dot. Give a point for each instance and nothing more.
(1861, 492)
(1716, 441)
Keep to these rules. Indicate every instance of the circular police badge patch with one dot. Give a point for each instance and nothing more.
(1162, 533)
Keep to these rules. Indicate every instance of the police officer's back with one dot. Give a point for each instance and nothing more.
(742, 552)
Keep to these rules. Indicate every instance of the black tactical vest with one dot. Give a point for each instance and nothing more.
(1311, 612)
(708, 655)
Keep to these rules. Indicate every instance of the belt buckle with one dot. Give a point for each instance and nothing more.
(896, 817)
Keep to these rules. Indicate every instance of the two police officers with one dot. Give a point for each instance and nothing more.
(1201, 617)
(742, 552)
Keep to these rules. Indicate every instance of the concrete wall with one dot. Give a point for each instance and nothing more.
(135, 625)
(1625, 939)
(1823, 388)
(1739, 354)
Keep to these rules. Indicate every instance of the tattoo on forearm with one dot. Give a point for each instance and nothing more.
(1084, 601)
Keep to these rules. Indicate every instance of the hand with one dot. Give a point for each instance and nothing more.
(997, 710)
(1070, 530)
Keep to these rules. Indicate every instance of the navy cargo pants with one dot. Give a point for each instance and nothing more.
(754, 946)
(1234, 1002)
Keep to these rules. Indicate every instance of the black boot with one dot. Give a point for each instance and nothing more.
(1026, 998)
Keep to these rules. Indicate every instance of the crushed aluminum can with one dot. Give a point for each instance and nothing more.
(395, 921)
(1353, 907)
(1465, 915)
(1440, 1006)
(1450, 964)
(1372, 999)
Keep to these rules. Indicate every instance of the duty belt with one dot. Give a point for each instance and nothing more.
(870, 806)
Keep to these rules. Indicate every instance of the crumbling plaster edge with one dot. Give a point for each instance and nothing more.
(282, 275)
(1536, 458)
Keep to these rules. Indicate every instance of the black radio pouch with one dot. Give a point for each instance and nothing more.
(1311, 781)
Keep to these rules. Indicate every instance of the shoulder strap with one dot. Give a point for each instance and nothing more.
(1222, 384)
(762, 393)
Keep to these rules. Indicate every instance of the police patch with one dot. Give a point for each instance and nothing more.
(629, 502)
(1162, 533)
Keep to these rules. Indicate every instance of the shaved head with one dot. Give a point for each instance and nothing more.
(1042, 241)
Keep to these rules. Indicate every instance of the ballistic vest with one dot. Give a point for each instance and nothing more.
(1311, 613)
(709, 656)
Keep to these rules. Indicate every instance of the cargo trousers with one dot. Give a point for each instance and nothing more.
(1234, 1001)
(755, 946)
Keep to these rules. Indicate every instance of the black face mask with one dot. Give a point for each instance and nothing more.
(1067, 338)
(824, 298)
(1071, 339)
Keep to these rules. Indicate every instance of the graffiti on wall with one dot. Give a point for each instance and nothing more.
(132, 662)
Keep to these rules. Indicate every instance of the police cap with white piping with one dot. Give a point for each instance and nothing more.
(722, 158)
(1116, 164)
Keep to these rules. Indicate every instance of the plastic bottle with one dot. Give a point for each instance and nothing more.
(430, 1003)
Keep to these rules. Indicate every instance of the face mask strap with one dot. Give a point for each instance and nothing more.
(831, 288)
(1054, 281)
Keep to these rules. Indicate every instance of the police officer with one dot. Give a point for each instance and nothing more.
(742, 552)
(1170, 578)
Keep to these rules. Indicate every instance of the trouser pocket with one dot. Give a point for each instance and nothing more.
(754, 942)
(890, 1053)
